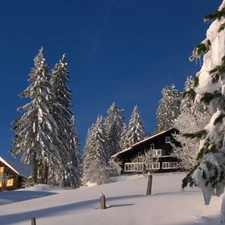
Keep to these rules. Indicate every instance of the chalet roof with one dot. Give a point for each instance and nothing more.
(144, 140)
(21, 169)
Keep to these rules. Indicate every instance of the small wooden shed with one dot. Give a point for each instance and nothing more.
(13, 174)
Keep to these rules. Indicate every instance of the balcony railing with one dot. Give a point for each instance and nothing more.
(141, 167)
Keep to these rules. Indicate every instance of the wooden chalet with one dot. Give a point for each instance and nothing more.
(13, 174)
(160, 149)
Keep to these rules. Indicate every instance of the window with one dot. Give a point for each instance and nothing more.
(169, 165)
(165, 165)
(157, 151)
(167, 139)
(1, 170)
(155, 165)
(173, 165)
(0, 184)
(152, 166)
(9, 182)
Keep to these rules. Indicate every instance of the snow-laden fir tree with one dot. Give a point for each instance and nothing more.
(193, 117)
(136, 130)
(95, 155)
(124, 143)
(169, 108)
(67, 132)
(88, 155)
(209, 173)
(36, 132)
(114, 123)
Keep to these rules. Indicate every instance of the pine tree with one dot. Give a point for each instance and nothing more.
(136, 131)
(169, 108)
(70, 151)
(209, 173)
(114, 123)
(36, 131)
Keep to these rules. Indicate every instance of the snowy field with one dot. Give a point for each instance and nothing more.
(126, 200)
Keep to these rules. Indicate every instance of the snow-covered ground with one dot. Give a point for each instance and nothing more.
(126, 200)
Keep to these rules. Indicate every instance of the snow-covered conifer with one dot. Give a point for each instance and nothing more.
(88, 155)
(169, 108)
(136, 128)
(67, 132)
(124, 143)
(193, 117)
(95, 154)
(209, 173)
(36, 131)
(114, 123)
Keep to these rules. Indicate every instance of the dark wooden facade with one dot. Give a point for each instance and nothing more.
(162, 147)
(13, 175)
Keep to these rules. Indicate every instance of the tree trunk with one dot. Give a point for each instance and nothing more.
(34, 173)
(45, 172)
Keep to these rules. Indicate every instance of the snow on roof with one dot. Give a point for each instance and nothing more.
(144, 140)
(118, 153)
(149, 138)
(21, 169)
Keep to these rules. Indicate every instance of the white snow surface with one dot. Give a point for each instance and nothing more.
(126, 201)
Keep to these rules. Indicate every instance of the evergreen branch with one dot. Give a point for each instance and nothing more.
(198, 134)
(200, 49)
(219, 119)
(191, 93)
(222, 27)
(218, 71)
(208, 97)
(201, 154)
(221, 176)
(213, 149)
(188, 180)
(216, 15)
(196, 81)
(214, 178)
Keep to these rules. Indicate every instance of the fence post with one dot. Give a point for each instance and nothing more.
(33, 221)
(149, 186)
(102, 201)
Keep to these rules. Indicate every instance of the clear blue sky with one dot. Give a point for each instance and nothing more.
(122, 51)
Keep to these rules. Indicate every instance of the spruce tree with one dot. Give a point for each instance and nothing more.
(193, 117)
(36, 132)
(70, 150)
(114, 123)
(124, 143)
(136, 130)
(209, 172)
(95, 155)
(169, 108)
(88, 155)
